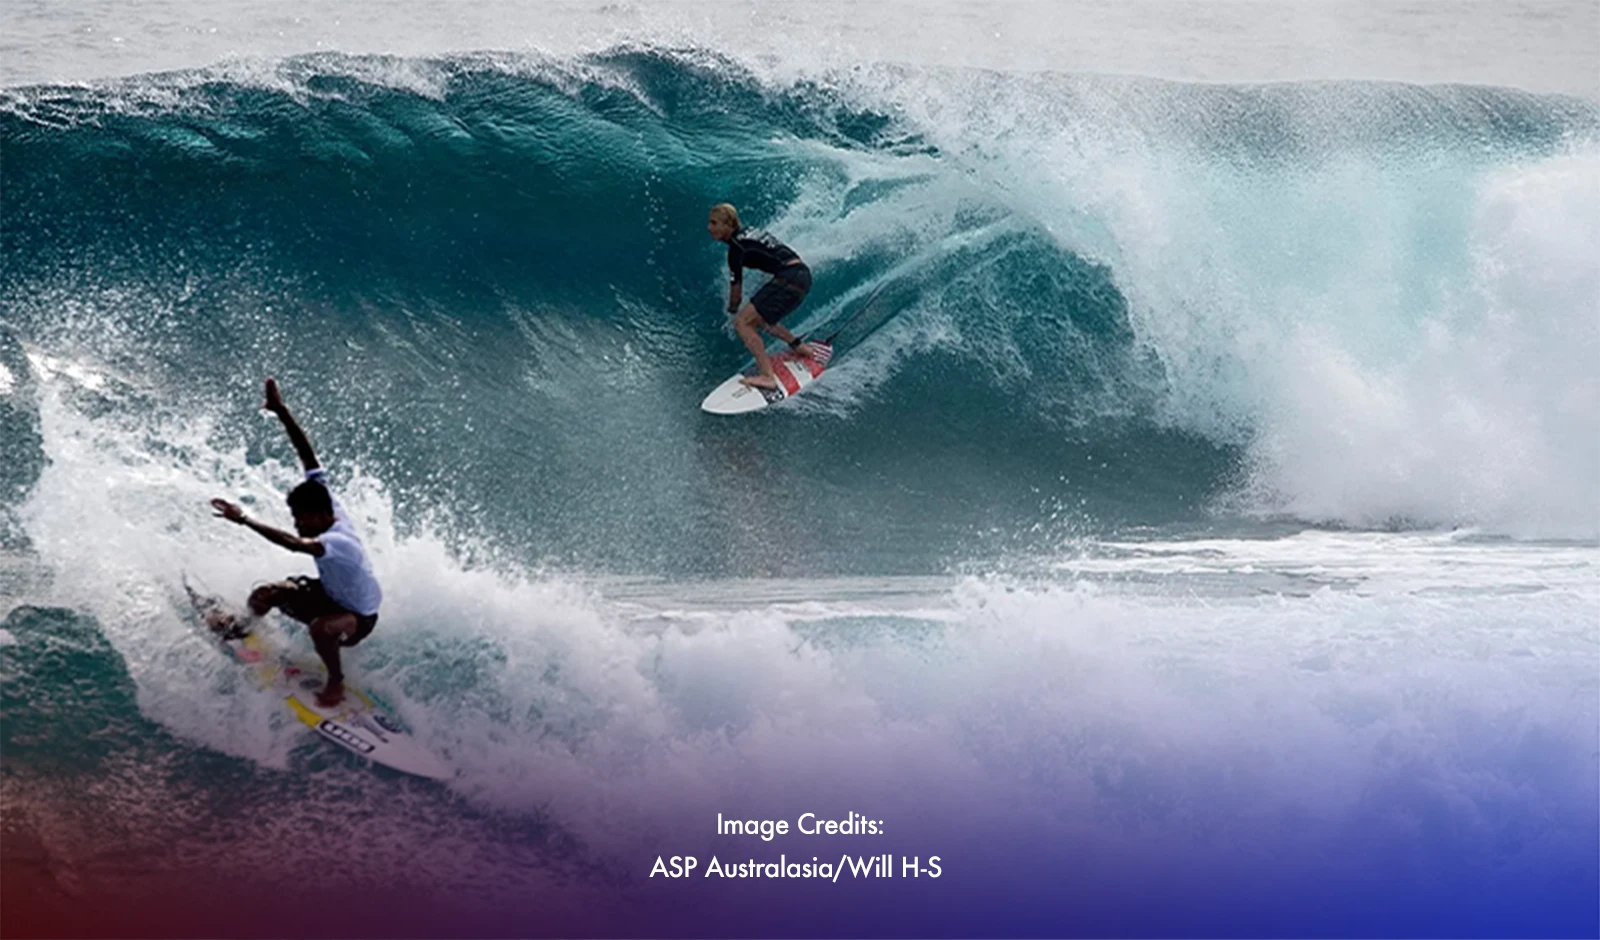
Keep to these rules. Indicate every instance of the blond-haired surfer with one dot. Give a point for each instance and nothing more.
(791, 280)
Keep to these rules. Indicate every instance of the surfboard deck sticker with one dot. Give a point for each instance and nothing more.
(362, 723)
(794, 371)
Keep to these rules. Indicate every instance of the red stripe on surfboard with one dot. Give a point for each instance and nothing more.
(785, 377)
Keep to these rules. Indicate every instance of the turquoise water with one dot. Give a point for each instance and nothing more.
(1218, 465)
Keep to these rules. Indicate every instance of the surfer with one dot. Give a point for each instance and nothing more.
(340, 607)
(791, 279)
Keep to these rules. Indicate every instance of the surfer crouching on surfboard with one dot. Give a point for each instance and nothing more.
(340, 607)
(791, 279)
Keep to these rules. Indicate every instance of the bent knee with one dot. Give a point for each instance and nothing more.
(333, 625)
(268, 596)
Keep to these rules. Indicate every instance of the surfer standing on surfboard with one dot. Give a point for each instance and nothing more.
(791, 279)
(340, 607)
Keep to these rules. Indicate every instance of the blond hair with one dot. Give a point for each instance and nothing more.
(727, 213)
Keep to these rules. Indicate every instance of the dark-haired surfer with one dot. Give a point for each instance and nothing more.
(340, 607)
(791, 279)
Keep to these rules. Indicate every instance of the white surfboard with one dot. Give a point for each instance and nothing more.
(362, 723)
(795, 373)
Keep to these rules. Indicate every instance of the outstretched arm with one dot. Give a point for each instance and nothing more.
(297, 437)
(294, 543)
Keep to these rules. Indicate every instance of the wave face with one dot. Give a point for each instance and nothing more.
(1133, 336)
(1110, 303)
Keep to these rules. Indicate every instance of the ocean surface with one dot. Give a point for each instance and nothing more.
(1200, 534)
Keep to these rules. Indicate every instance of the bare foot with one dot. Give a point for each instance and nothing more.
(331, 695)
(805, 349)
(760, 381)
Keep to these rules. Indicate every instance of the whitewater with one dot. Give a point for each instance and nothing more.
(1207, 521)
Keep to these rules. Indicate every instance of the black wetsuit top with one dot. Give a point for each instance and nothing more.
(753, 248)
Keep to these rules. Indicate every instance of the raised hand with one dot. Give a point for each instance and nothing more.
(274, 401)
(232, 512)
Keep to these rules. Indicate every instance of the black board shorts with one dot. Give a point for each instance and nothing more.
(307, 600)
(778, 297)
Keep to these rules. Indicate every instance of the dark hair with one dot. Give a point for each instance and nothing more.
(310, 499)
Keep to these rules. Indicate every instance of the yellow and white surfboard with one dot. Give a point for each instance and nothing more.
(361, 723)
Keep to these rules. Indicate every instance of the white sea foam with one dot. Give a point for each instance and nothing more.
(634, 718)
(1481, 408)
